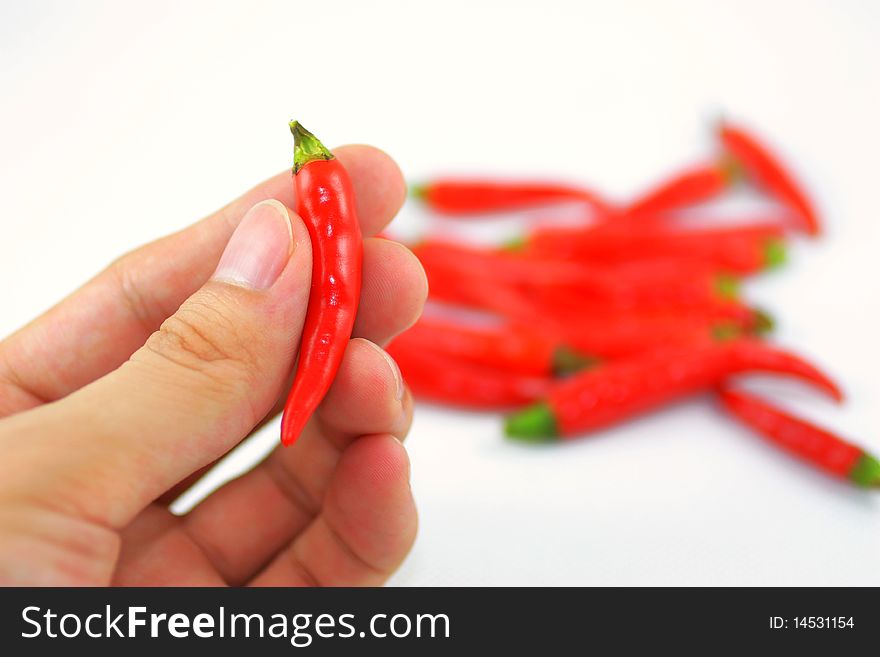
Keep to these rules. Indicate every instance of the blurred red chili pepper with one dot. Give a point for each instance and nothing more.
(690, 187)
(601, 327)
(740, 249)
(507, 347)
(520, 289)
(465, 196)
(609, 333)
(507, 300)
(503, 265)
(614, 335)
(438, 378)
(651, 282)
(619, 390)
(813, 444)
(692, 285)
(732, 317)
(325, 201)
(761, 166)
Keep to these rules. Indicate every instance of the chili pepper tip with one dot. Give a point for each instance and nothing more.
(866, 472)
(568, 361)
(306, 147)
(534, 424)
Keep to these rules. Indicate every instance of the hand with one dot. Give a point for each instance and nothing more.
(114, 401)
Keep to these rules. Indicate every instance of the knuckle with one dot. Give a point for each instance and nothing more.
(202, 338)
(124, 276)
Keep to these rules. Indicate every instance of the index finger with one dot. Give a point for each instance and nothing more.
(94, 330)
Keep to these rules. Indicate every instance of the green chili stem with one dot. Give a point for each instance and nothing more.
(535, 424)
(306, 147)
(866, 472)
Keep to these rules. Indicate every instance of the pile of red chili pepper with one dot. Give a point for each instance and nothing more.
(581, 324)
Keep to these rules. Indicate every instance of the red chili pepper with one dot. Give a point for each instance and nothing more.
(690, 187)
(598, 398)
(462, 196)
(325, 201)
(504, 265)
(616, 335)
(813, 444)
(650, 288)
(728, 319)
(476, 292)
(507, 347)
(762, 167)
(438, 378)
(740, 249)
(601, 328)
(657, 282)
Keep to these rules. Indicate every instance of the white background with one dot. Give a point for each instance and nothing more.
(120, 122)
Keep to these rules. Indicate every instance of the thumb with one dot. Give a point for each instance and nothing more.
(196, 388)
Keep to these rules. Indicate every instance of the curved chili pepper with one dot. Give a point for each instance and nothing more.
(739, 250)
(438, 378)
(325, 201)
(601, 397)
(463, 196)
(762, 167)
(687, 188)
(813, 444)
(507, 347)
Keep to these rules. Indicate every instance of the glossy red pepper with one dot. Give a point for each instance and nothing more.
(466, 196)
(505, 346)
(438, 378)
(687, 188)
(813, 444)
(761, 166)
(601, 397)
(325, 201)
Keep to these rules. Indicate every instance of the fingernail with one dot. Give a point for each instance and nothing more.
(258, 249)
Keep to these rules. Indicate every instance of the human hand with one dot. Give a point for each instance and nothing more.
(117, 399)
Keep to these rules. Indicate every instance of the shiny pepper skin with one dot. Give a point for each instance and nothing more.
(325, 201)
(601, 397)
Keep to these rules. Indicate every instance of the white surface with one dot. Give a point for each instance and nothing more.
(120, 122)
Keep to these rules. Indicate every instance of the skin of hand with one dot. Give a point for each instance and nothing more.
(118, 398)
